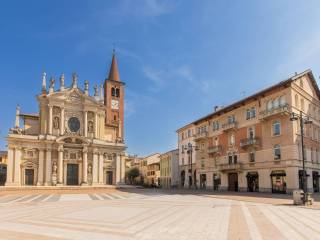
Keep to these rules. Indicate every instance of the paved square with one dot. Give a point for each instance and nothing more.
(148, 214)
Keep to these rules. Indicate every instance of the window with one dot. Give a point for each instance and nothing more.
(248, 114)
(253, 112)
(231, 119)
(251, 132)
(277, 152)
(215, 125)
(252, 157)
(311, 153)
(189, 133)
(276, 128)
(117, 92)
(230, 158)
(276, 103)
(113, 92)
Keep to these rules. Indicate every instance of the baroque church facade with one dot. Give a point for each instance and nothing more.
(76, 139)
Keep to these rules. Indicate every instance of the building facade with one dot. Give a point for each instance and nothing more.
(169, 169)
(252, 145)
(152, 170)
(75, 139)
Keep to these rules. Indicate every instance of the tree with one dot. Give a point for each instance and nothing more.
(132, 174)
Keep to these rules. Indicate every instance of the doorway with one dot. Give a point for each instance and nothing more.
(109, 177)
(72, 174)
(3, 174)
(233, 182)
(253, 182)
(203, 181)
(29, 176)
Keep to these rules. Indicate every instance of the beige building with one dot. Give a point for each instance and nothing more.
(3, 167)
(75, 139)
(252, 145)
(169, 169)
(152, 170)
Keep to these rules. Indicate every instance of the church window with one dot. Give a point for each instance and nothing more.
(113, 92)
(117, 92)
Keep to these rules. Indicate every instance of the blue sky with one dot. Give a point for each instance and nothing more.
(178, 58)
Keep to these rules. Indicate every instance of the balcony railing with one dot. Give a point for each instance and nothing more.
(250, 142)
(281, 109)
(229, 126)
(230, 166)
(200, 135)
(214, 149)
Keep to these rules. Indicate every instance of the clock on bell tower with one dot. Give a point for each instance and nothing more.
(114, 100)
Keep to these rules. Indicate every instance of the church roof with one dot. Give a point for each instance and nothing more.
(114, 72)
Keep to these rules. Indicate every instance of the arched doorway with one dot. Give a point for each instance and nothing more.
(182, 178)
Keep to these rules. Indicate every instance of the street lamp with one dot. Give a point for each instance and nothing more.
(303, 120)
(189, 150)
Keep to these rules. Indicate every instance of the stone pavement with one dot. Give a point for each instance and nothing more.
(149, 214)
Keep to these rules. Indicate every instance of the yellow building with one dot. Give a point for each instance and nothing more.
(252, 144)
(152, 170)
(3, 167)
(169, 169)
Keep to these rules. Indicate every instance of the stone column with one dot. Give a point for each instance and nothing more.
(118, 168)
(50, 121)
(17, 170)
(101, 168)
(48, 168)
(85, 166)
(60, 164)
(10, 167)
(123, 169)
(41, 167)
(62, 121)
(96, 125)
(85, 124)
(95, 168)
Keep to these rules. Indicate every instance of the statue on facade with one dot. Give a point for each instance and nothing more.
(52, 82)
(90, 127)
(56, 122)
(86, 86)
(54, 168)
(62, 82)
(96, 94)
(89, 169)
(74, 80)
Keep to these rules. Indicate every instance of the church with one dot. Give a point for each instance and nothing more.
(75, 139)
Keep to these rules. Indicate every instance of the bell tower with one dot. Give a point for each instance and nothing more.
(114, 100)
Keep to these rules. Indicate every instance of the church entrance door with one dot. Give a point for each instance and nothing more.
(72, 174)
(29, 174)
(109, 177)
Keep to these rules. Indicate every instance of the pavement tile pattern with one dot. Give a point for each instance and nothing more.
(150, 216)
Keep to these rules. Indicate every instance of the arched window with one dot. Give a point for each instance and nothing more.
(117, 92)
(276, 103)
(282, 100)
(113, 92)
(269, 105)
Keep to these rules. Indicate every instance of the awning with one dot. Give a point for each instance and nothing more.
(252, 174)
(301, 173)
(278, 173)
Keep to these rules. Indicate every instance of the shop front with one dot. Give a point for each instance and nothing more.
(252, 182)
(278, 181)
(315, 181)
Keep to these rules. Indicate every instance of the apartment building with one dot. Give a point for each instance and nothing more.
(169, 169)
(152, 170)
(253, 144)
(187, 156)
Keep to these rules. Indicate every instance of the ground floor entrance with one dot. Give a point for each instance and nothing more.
(315, 180)
(203, 181)
(216, 181)
(109, 177)
(72, 174)
(278, 181)
(3, 174)
(29, 177)
(233, 182)
(252, 182)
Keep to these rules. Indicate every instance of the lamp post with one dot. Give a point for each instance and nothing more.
(189, 152)
(303, 120)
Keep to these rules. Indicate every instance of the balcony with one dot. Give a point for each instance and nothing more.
(230, 126)
(282, 110)
(200, 136)
(250, 142)
(214, 149)
(228, 167)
